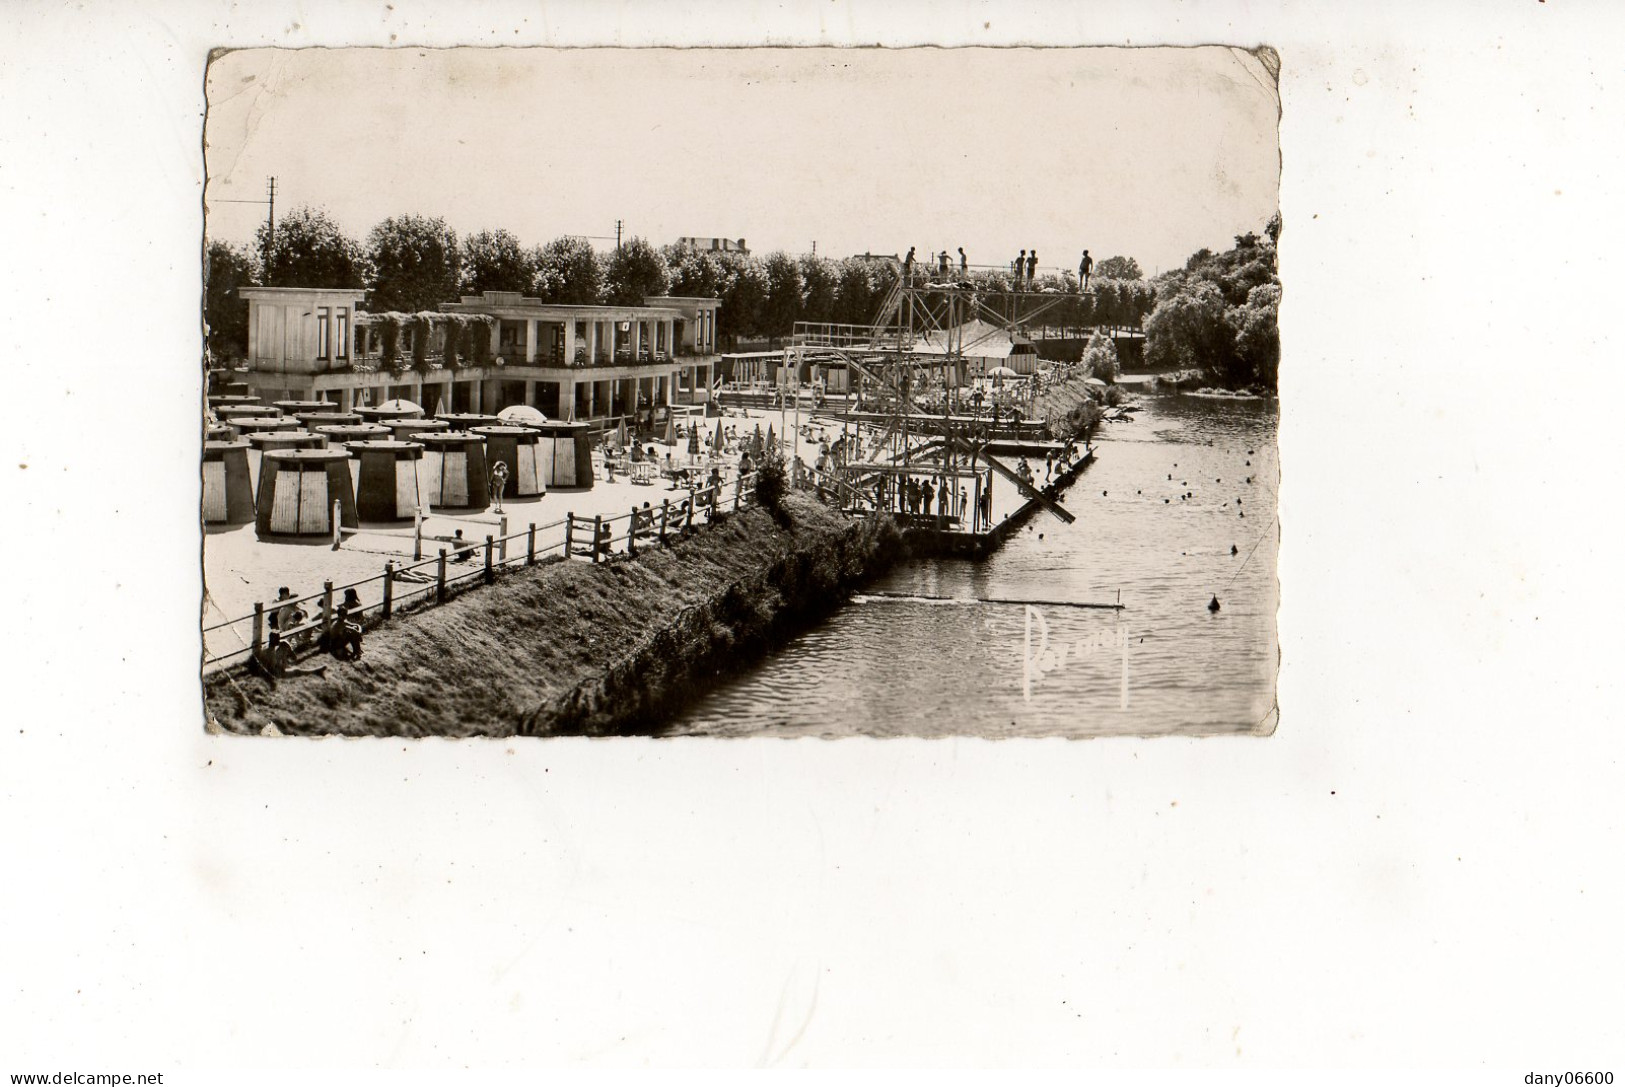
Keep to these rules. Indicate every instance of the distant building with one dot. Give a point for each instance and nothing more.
(884, 258)
(596, 363)
(715, 245)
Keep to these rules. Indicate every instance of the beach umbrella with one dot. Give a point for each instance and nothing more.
(1001, 371)
(522, 415)
(694, 440)
(716, 443)
(620, 434)
(671, 430)
(771, 442)
(1094, 381)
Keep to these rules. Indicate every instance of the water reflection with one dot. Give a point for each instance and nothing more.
(1158, 516)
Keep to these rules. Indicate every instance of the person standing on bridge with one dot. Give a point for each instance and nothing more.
(908, 266)
(942, 263)
(963, 264)
(1032, 268)
(1085, 266)
(1021, 266)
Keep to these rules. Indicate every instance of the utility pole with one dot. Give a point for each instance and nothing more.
(617, 235)
(270, 219)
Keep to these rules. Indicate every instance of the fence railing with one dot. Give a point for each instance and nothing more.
(300, 622)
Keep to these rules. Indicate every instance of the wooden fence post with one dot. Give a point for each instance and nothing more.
(632, 533)
(739, 489)
(389, 589)
(440, 578)
(569, 534)
(502, 540)
(259, 627)
(597, 535)
(530, 545)
(490, 575)
(327, 604)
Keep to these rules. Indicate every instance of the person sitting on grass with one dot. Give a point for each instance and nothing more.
(288, 615)
(341, 637)
(275, 661)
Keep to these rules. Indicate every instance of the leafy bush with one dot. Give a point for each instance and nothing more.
(772, 481)
(1100, 358)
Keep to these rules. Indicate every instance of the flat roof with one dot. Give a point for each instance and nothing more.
(269, 293)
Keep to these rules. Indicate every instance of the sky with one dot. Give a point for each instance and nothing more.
(1153, 153)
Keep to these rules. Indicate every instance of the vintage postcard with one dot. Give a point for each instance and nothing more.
(763, 392)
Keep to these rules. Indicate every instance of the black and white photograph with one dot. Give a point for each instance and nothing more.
(539, 408)
(897, 539)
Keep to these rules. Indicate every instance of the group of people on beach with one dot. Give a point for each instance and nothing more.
(340, 634)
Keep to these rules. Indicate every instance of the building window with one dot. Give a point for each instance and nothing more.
(343, 314)
(322, 344)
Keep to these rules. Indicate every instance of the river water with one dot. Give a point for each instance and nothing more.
(1163, 664)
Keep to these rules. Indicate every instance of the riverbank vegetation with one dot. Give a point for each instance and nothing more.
(1218, 314)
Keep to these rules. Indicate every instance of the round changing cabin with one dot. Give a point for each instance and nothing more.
(455, 473)
(386, 482)
(228, 494)
(310, 420)
(385, 412)
(294, 407)
(409, 430)
(565, 454)
(468, 420)
(359, 432)
(246, 426)
(515, 446)
(297, 490)
(219, 432)
(227, 412)
(224, 401)
(287, 439)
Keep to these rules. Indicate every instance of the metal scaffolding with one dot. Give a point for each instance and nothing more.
(916, 343)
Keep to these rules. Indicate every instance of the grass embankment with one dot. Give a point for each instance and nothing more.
(574, 647)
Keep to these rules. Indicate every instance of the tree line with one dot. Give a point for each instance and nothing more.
(412, 263)
(1217, 315)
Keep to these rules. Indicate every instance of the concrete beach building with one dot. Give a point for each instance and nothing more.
(454, 471)
(515, 447)
(298, 490)
(598, 364)
(386, 479)
(228, 492)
